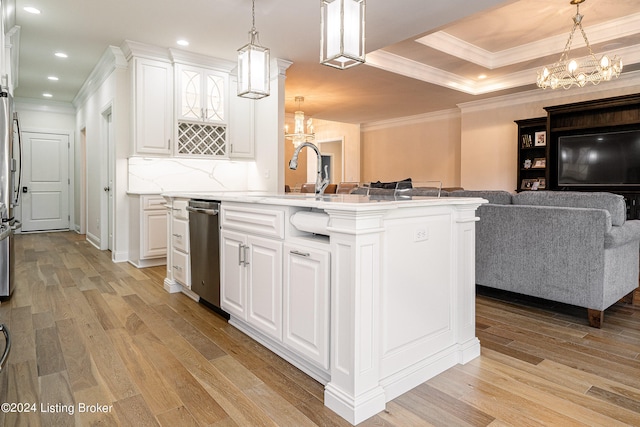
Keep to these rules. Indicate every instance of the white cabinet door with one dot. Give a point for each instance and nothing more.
(154, 234)
(306, 302)
(264, 285)
(202, 94)
(233, 293)
(153, 106)
(241, 125)
(215, 96)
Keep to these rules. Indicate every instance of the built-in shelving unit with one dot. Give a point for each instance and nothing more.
(621, 113)
(532, 154)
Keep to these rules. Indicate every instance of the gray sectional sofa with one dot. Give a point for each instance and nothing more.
(571, 247)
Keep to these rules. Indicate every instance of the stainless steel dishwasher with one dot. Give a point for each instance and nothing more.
(204, 251)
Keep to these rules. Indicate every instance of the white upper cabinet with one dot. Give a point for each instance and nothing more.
(202, 107)
(241, 124)
(153, 106)
(202, 94)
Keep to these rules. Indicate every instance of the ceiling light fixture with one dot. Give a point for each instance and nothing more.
(47, 95)
(61, 55)
(31, 9)
(342, 36)
(568, 72)
(299, 135)
(53, 78)
(253, 65)
(182, 42)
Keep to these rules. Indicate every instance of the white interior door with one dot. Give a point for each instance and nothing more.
(45, 187)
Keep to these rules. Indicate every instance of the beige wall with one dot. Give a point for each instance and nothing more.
(425, 148)
(473, 146)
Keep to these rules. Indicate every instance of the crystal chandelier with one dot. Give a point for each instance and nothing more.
(342, 36)
(299, 135)
(253, 65)
(568, 72)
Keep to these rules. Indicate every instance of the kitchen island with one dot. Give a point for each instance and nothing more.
(369, 295)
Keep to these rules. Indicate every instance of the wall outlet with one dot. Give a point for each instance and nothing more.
(421, 234)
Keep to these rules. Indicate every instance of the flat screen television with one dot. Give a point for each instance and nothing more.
(599, 159)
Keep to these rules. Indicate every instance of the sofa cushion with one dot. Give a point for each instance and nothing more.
(496, 197)
(405, 183)
(613, 203)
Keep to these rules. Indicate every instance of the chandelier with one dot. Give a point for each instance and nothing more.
(342, 36)
(253, 65)
(299, 135)
(568, 72)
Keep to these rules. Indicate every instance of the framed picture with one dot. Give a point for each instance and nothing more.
(541, 139)
(526, 184)
(539, 163)
(543, 183)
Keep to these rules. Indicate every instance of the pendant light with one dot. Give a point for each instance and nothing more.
(568, 72)
(342, 37)
(253, 65)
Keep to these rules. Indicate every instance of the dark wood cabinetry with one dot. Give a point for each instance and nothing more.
(610, 115)
(532, 154)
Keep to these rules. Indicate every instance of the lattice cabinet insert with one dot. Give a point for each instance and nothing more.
(201, 140)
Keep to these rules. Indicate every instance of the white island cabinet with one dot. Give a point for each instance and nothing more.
(370, 296)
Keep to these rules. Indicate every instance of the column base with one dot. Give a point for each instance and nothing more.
(354, 410)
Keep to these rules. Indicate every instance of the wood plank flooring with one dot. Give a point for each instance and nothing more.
(98, 343)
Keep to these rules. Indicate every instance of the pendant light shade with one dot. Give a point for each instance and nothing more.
(342, 38)
(253, 66)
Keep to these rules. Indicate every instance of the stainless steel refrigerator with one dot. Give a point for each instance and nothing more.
(8, 194)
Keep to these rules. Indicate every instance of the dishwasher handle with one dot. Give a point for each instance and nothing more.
(212, 212)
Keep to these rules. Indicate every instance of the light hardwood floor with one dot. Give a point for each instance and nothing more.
(87, 331)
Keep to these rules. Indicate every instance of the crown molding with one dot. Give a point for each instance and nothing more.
(199, 60)
(44, 106)
(111, 60)
(599, 33)
(629, 80)
(453, 113)
(416, 70)
(132, 48)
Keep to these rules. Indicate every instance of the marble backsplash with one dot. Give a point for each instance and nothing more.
(157, 175)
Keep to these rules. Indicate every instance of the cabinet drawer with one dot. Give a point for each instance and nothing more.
(181, 268)
(265, 222)
(180, 235)
(179, 208)
(153, 203)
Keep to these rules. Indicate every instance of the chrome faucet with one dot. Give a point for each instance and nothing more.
(321, 184)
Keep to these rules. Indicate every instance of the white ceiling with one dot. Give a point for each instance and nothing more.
(422, 56)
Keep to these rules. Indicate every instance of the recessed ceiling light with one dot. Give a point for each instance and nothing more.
(33, 10)
(482, 76)
(61, 55)
(47, 95)
(53, 78)
(183, 42)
